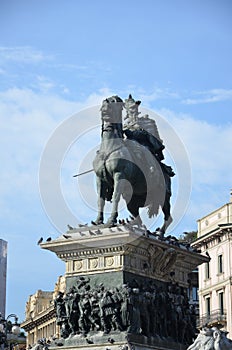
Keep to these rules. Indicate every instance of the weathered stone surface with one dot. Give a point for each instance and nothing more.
(118, 341)
(125, 249)
(125, 259)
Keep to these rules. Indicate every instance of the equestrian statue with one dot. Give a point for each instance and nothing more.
(129, 164)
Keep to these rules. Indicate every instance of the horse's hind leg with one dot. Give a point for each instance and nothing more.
(133, 207)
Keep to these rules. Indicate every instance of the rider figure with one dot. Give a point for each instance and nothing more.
(146, 139)
(137, 129)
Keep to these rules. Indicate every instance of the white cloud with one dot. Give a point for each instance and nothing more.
(210, 96)
(156, 94)
(45, 84)
(208, 146)
(71, 67)
(27, 119)
(25, 54)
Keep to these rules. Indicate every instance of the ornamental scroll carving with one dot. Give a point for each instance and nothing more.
(161, 260)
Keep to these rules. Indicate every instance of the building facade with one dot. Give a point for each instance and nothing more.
(3, 273)
(215, 276)
(40, 320)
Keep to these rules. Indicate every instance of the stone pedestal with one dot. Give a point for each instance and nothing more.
(124, 255)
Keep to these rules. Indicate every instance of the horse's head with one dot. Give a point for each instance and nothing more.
(111, 110)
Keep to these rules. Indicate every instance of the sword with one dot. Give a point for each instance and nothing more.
(85, 172)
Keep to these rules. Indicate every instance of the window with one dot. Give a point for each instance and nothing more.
(195, 293)
(207, 272)
(221, 302)
(220, 264)
(207, 305)
(192, 293)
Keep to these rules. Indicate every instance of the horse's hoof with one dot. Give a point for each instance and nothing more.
(97, 222)
(160, 233)
(111, 223)
(136, 221)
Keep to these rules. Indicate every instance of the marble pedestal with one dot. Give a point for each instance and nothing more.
(117, 256)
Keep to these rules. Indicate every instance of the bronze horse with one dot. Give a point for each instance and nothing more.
(126, 168)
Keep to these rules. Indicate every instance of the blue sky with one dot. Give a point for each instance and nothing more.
(58, 58)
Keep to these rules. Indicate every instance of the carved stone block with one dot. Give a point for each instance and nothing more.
(120, 284)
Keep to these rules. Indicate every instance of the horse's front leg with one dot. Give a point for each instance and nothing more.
(101, 189)
(118, 190)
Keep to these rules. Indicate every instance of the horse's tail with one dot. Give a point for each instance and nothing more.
(153, 209)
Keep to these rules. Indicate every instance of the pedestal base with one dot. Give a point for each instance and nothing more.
(123, 278)
(117, 341)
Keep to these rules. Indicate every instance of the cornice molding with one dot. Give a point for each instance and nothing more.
(47, 315)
